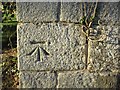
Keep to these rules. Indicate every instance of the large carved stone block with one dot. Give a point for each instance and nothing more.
(51, 46)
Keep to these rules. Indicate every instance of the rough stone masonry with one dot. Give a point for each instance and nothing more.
(54, 52)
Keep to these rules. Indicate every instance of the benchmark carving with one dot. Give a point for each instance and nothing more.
(41, 53)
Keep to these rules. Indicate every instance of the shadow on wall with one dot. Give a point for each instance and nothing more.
(118, 81)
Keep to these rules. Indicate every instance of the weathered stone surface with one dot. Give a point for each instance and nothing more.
(78, 79)
(30, 79)
(104, 55)
(108, 12)
(37, 11)
(71, 12)
(58, 47)
(107, 82)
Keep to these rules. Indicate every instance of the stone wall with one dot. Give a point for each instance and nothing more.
(55, 52)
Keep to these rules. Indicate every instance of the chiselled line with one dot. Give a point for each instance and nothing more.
(41, 53)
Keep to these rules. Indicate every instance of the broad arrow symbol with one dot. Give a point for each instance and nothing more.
(41, 53)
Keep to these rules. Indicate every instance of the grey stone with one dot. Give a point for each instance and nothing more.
(104, 55)
(85, 79)
(37, 11)
(107, 82)
(62, 47)
(107, 13)
(76, 79)
(71, 12)
(45, 45)
(30, 79)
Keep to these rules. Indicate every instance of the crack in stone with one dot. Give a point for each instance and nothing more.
(86, 53)
(56, 75)
(59, 11)
(64, 22)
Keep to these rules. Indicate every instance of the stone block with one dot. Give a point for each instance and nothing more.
(106, 12)
(51, 46)
(104, 55)
(37, 11)
(85, 79)
(107, 81)
(30, 79)
(71, 12)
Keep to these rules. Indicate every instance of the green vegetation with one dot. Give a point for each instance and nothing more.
(8, 24)
(9, 42)
(8, 12)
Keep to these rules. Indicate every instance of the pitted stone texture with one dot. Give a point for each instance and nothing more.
(30, 79)
(63, 47)
(107, 12)
(37, 11)
(104, 55)
(71, 12)
(107, 82)
(78, 79)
